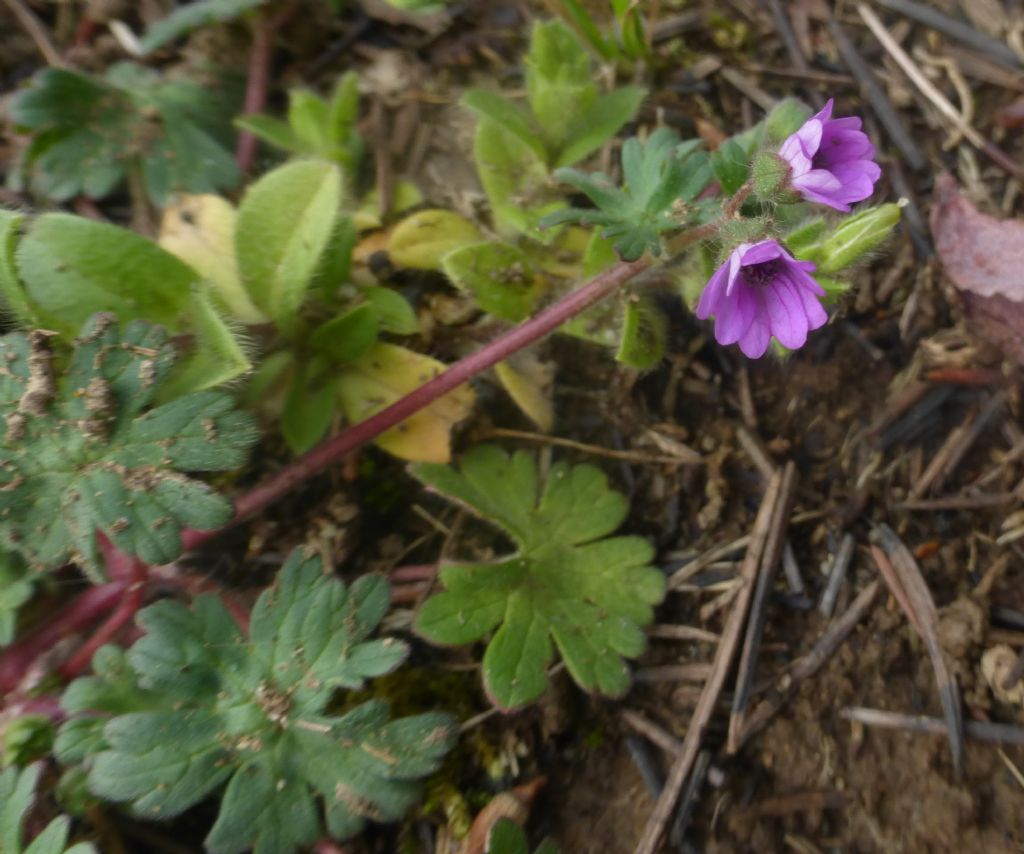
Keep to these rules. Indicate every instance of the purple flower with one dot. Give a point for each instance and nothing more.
(761, 291)
(830, 160)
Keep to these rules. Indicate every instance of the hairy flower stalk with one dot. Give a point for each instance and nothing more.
(830, 160)
(759, 292)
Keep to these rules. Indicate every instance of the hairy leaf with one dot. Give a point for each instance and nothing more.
(500, 277)
(568, 583)
(196, 705)
(316, 127)
(72, 267)
(86, 453)
(558, 81)
(284, 225)
(200, 230)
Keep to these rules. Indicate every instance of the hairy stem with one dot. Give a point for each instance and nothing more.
(335, 449)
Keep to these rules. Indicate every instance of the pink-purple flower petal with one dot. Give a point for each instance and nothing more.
(831, 160)
(759, 292)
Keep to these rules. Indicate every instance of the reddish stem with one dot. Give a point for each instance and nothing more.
(120, 567)
(413, 572)
(256, 86)
(335, 449)
(123, 614)
(258, 78)
(81, 613)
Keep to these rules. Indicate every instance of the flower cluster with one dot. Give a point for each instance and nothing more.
(760, 290)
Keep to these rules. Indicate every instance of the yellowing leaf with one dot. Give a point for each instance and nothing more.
(200, 230)
(387, 372)
(528, 383)
(420, 241)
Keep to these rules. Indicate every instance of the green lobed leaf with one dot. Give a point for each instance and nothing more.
(285, 222)
(82, 453)
(195, 705)
(568, 586)
(658, 174)
(89, 131)
(192, 16)
(17, 794)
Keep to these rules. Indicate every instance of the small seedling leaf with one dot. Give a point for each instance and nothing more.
(559, 87)
(505, 114)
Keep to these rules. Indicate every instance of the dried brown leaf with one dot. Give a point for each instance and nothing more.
(984, 257)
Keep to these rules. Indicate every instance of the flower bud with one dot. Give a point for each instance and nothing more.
(856, 236)
(786, 117)
(804, 241)
(769, 175)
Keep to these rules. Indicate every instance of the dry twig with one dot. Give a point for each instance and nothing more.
(807, 665)
(938, 100)
(978, 730)
(721, 666)
(755, 626)
(36, 31)
(902, 574)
